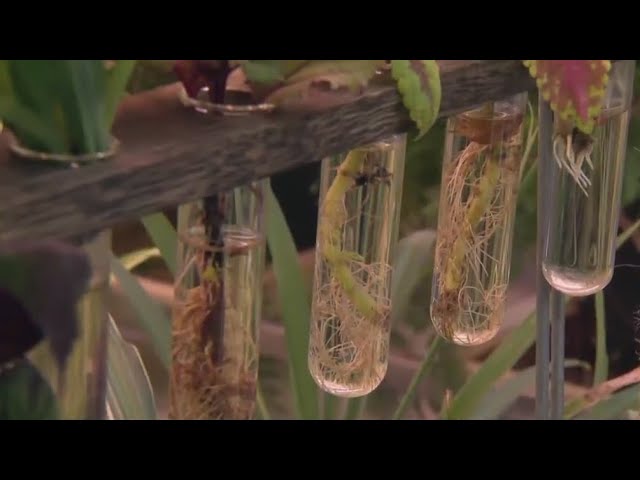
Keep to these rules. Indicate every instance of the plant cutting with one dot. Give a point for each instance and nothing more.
(507, 344)
(286, 85)
(218, 285)
(356, 235)
(480, 177)
(218, 300)
(360, 195)
(591, 100)
(59, 114)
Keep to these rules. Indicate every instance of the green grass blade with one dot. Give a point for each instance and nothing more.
(413, 260)
(497, 364)
(133, 260)
(330, 406)
(29, 127)
(501, 360)
(151, 316)
(355, 408)
(624, 236)
(601, 372)
(263, 411)
(85, 105)
(614, 406)
(34, 84)
(117, 80)
(425, 367)
(129, 391)
(164, 236)
(496, 402)
(294, 299)
(6, 87)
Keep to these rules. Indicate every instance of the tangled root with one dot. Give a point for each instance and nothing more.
(470, 282)
(571, 152)
(349, 350)
(201, 388)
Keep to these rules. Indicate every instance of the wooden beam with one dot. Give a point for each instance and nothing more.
(172, 155)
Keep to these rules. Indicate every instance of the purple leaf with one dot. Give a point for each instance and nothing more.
(47, 278)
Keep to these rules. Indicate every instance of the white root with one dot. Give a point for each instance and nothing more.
(571, 161)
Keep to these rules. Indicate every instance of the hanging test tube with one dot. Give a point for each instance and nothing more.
(586, 191)
(218, 301)
(360, 196)
(480, 179)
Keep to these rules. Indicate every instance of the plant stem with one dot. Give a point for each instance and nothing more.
(331, 221)
(213, 327)
(261, 404)
(355, 407)
(426, 365)
(602, 358)
(477, 208)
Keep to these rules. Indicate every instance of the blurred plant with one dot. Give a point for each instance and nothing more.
(51, 107)
(317, 84)
(62, 106)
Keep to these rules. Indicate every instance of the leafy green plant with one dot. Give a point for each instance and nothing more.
(129, 391)
(62, 106)
(317, 84)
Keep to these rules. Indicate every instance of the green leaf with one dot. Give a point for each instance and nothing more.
(330, 406)
(324, 83)
(151, 316)
(418, 82)
(413, 261)
(495, 366)
(5, 78)
(263, 411)
(29, 127)
(425, 367)
(25, 394)
(355, 407)
(34, 85)
(117, 80)
(352, 74)
(129, 390)
(624, 236)
(601, 372)
(500, 361)
(267, 73)
(575, 89)
(85, 107)
(497, 401)
(294, 298)
(149, 74)
(614, 406)
(164, 237)
(264, 72)
(133, 260)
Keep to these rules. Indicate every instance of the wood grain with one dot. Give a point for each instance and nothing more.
(172, 155)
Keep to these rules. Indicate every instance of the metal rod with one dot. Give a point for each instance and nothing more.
(543, 289)
(550, 303)
(557, 354)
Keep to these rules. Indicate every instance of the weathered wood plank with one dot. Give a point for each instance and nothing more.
(172, 155)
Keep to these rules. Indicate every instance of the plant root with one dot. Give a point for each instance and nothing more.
(470, 282)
